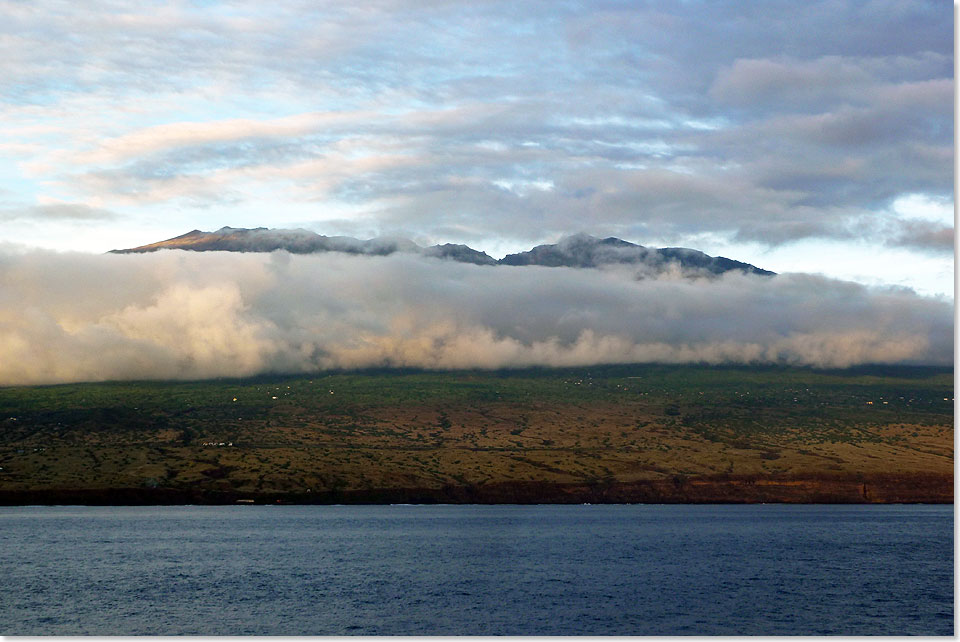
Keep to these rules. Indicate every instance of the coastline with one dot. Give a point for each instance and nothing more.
(878, 488)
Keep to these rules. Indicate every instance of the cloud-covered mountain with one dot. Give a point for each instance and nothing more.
(582, 250)
(578, 251)
(300, 241)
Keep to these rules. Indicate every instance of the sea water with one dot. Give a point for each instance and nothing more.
(477, 570)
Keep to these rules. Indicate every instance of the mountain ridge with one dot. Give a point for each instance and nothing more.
(576, 251)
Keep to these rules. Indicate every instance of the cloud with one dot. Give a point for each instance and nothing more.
(173, 314)
(656, 118)
(806, 85)
(191, 135)
(55, 212)
(928, 236)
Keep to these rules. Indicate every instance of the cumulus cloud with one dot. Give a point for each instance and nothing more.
(174, 314)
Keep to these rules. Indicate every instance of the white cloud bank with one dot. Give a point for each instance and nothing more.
(174, 314)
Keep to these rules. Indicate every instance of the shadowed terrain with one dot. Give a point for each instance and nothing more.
(578, 250)
(612, 433)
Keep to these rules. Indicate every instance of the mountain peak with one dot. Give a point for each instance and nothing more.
(575, 251)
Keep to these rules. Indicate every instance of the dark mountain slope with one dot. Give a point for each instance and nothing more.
(585, 251)
(577, 251)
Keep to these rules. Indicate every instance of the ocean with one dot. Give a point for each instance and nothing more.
(478, 570)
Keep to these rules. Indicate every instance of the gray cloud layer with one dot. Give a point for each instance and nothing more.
(173, 314)
(55, 211)
(928, 236)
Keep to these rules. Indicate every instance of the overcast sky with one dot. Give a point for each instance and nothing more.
(798, 136)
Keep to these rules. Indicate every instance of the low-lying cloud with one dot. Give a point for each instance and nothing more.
(175, 314)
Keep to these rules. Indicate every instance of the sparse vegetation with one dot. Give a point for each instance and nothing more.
(414, 429)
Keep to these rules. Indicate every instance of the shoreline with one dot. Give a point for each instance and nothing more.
(887, 488)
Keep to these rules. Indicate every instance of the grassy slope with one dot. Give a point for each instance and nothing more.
(431, 430)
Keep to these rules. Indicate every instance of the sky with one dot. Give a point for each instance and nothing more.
(814, 139)
(801, 137)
